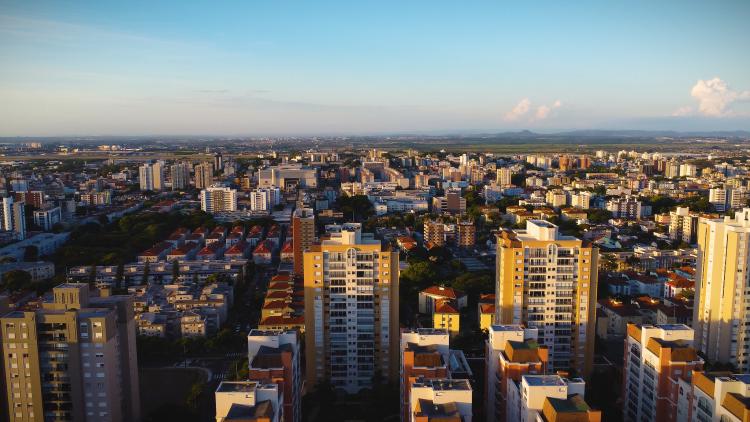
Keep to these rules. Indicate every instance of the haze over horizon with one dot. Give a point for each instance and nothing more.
(171, 68)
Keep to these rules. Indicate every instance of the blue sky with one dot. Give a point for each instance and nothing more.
(285, 67)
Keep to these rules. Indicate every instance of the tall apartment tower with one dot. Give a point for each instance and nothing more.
(180, 176)
(657, 358)
(720, 319)
(548, 281)
(467, 234)
(218, 199)
(72, 360)
(303, 236)
(274, 357)
(504, 176)
(434, 232)
(151, 176)
(351, 309)
(13, 217)
(683, 225)
(204, 175)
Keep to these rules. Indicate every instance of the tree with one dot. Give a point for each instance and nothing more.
(119, 276)
(15, 280)
(146, 272)
(92, 274)
(193, 397)
(31, 253)
(175, 271)
(358, 206)
(599, 216)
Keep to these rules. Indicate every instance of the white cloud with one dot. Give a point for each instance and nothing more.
(715, 97)
(520, 110)
(683, 111)
(543, 111)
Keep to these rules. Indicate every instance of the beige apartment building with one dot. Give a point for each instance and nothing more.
(72, 360)
(721, 320)
(548, 281)
(351, 309)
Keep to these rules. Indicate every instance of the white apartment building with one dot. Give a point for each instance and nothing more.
(526, 399)
(242, 400)
(217, 199)
(581, 200)
(625, 207)
(13, 218)
(264, 199)
(46, 219)
(683, 225)
(180, 173)
(441, 398)
(718, 198)
(151, 176)
(688, 170)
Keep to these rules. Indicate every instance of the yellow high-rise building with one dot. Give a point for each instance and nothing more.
(721, 320)
(548, 281)
(351, 309)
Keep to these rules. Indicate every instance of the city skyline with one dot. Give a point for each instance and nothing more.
(336, 68)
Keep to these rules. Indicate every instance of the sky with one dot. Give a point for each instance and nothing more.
(347, 67)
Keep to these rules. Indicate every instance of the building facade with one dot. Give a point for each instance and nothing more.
(351, 309)
(549, 281)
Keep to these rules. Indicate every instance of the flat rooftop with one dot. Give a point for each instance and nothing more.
(237, 387)
(544, 380)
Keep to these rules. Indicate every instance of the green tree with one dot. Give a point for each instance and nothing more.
(119, 275)
(31, 253)
(193, 397)
(16, 280)
(146, 272)
(175, 271)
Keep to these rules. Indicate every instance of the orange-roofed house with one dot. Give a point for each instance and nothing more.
(287, 252)
(447, 316)
(429, 297)
(263, 253)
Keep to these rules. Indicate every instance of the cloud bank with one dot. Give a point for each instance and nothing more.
(715, 99)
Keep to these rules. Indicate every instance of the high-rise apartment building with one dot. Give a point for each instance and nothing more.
(72, 360)
(351, 309)
(434, 232)
(714, 396)
(718, 198)
(548, 281)
(721, 319)
(151, 176)
(504, 176)
(264, 199)
(581, 200)
(657, 358)
(204, 175)
(180, 173)
(216, 199)
(47, 218)
(13, 218)
(512, 351)
(274, 357)
(683, 225)
(303, 236)
(466, 235)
